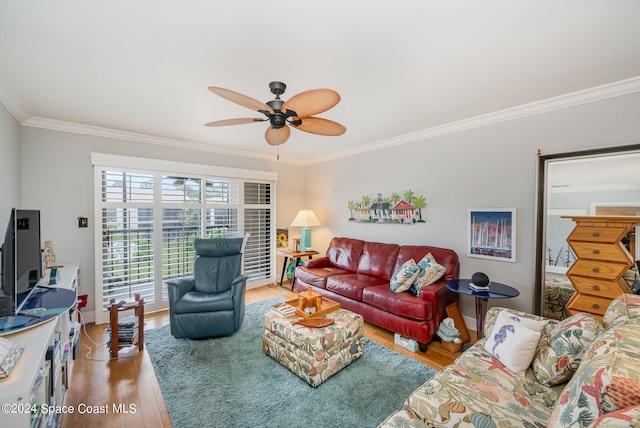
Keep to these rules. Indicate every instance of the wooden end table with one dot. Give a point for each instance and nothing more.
(293, 255)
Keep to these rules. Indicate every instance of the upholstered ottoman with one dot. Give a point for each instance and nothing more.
(314, 354)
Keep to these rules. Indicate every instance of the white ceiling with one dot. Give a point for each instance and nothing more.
(401, 67)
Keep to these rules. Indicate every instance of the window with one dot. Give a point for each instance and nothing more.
(150, 219)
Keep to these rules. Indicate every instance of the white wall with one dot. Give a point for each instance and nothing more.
(58, 179)
(10, 180)
(489, 167)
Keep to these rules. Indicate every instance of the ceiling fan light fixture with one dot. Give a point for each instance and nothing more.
(278, 120)
(298, 112)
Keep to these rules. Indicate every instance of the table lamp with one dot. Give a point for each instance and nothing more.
(305, 219)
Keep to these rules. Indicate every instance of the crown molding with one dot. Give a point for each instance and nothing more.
(12, 102)
(598, 93)
(96, 131)
(573, 99)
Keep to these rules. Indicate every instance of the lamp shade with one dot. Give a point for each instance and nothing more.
(305, 218)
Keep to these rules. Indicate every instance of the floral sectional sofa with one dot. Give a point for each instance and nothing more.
(581, 374)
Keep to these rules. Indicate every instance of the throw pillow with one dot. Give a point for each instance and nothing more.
(579, 403)
(558, 361)
(430, 272)
(404, 277)
(513, 341)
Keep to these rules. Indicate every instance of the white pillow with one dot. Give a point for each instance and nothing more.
(404, 276)
(513, 341)
(430, 272)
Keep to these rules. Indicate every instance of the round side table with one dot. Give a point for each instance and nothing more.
(495, 291)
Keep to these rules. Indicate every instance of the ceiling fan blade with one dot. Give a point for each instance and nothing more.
(239, 121)
(241, 99)
(277, 136)
(319, 126)
(312, 102)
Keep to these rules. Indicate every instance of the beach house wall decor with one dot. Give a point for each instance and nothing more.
(395, 209)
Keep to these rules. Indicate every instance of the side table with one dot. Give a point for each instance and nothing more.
(293, 255)
(116, 343)
(495, 291)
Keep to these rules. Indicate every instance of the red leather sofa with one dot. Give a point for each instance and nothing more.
(357, 274)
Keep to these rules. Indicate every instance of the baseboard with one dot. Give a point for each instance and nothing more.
(469, 322)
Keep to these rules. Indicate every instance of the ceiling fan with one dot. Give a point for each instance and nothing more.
(297, 112)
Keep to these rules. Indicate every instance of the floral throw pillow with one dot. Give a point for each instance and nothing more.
(513, 341)
(404, 277)
(430, 272)
(558, 361)
(579, 403)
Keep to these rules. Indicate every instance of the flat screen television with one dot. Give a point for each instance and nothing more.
(21, 260)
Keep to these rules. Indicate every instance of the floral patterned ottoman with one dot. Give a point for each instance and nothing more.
(314, 354)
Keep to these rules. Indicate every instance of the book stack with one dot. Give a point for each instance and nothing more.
(284, 310)
(127, 331)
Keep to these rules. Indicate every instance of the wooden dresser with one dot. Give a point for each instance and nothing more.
(601, 262)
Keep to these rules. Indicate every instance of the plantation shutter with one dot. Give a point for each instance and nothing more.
(150, 219)
(127, 235)
(259, 223)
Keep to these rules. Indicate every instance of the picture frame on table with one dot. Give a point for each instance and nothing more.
(282, 238)
(491, 233)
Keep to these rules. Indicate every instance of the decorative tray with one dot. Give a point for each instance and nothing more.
(326, 307)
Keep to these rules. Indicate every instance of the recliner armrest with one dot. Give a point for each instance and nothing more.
(178, 287)
(237, 287)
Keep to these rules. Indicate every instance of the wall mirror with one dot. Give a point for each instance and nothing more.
(590, 182)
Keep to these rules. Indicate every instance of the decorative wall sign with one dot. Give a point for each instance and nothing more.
(405, 209)
(492, 234)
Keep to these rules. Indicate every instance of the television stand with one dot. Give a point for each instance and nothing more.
(44, 371)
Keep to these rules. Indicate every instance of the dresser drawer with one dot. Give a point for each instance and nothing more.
(600, 251)
(599, 287)
(609, 235)
(590, 304)
(597, 269)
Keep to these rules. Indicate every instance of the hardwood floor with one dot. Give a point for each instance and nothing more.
(100, 385)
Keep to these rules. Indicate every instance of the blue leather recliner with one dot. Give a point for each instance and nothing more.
(211, 302)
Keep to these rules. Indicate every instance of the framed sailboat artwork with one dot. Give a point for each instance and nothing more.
(491, 234)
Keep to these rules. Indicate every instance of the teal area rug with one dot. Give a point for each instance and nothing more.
(230, 382)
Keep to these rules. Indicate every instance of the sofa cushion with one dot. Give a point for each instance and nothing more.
(351, 285)
(564, 347)
(430, 272)
(404, 277)
(623, 392)
(623, 370)
(622, 309)
(317, 277)
(513, 341)
(405, 305)
(378, 259)
(195, 301)
(345, 253)
(481, 394)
